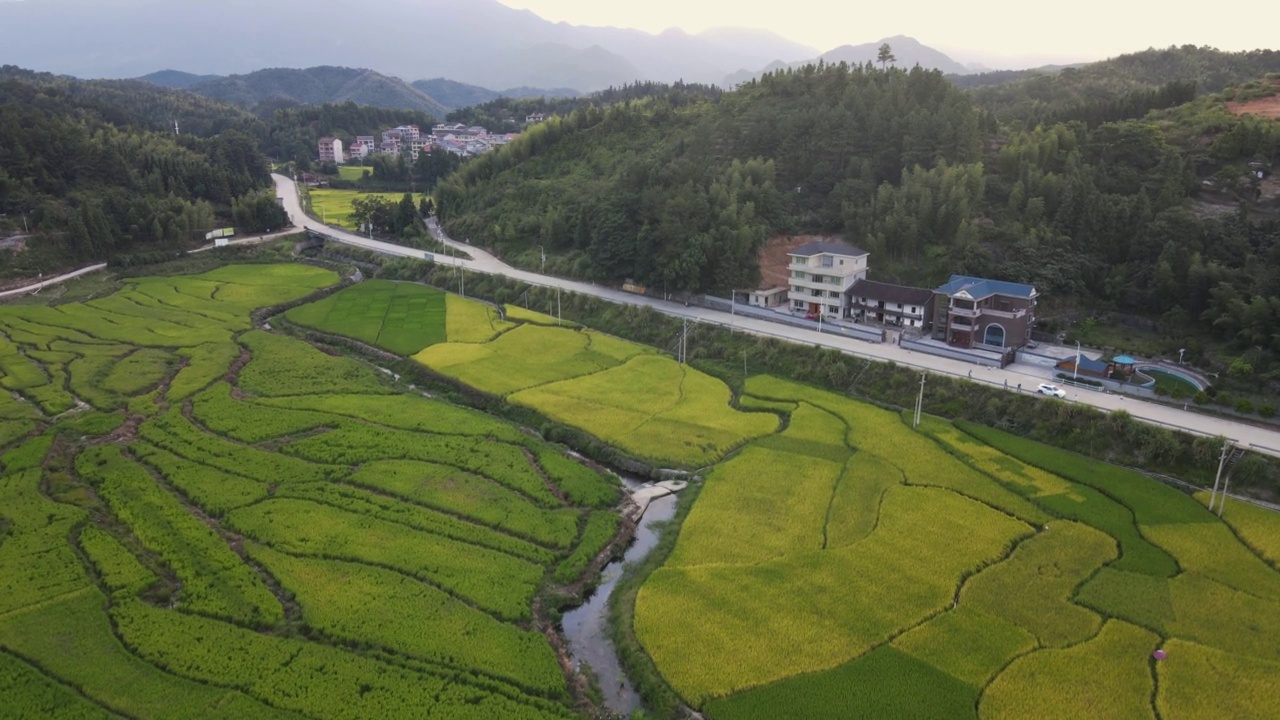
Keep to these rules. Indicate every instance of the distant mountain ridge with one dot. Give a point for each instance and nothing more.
(907, 51)
(479, 42)
(320, 85)
(176, 79)
(455, 95)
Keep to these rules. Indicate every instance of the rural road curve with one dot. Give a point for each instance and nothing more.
(1250, 436)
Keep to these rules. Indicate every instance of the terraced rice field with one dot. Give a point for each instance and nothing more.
(629, 396)
(398, 317)
(851, 566)
(201, 520)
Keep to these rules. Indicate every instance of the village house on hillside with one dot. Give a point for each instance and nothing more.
(410, 141)
(821, 273)
(331, 150)
(889, 304)
(976, 312)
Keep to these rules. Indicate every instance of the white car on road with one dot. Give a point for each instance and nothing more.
(1054, 390)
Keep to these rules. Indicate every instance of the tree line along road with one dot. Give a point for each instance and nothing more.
(1249, 436)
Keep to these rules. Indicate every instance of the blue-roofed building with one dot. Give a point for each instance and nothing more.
(1088, 367)
(977, 312)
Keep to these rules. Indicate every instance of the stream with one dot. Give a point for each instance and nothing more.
(585, 626)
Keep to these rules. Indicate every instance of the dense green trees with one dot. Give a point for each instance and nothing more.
(673, 191)
(1101, 204)
(258, 212)
(1033, 96)
(81, 161)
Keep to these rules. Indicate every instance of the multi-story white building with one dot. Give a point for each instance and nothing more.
(821, 273)
(369, 142)
(331, 150)
(408, 132)
(417, 146)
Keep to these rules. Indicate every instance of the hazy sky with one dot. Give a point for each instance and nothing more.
(1078, 29)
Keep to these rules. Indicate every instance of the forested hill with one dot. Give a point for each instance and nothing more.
(137, 103)
(96, 169)
(274, 87)
(903, 164)
(507, 113)
(1038, 96)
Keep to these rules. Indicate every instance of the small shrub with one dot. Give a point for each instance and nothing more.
(1240, 369)
(1244, 406)
(1201, 398)
(1267, 411)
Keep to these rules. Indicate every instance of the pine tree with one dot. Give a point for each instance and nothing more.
(885, 56)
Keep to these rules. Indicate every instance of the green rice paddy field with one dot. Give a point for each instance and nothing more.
(353, 172)
(334, 206)
(201, 519)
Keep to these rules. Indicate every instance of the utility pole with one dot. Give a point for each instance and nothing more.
(1222, 461)
(920, 399)
(1222, 501)
(744, 368)
(1075, 373)
(684, 340)
(544, 258)
(558, 321)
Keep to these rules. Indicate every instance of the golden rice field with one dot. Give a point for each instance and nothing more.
(1008, 580)
(629, 396)
(199, 518)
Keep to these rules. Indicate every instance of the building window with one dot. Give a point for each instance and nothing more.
(826, 261)
(841, 261)
(994, 336)
(833, 309)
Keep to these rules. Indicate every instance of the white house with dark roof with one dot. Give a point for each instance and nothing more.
(889, 304)
(331, 150)
(821, 275)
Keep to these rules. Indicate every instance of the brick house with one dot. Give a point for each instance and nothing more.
(976, 312)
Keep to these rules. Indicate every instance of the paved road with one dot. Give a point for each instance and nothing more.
(1259, 438)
